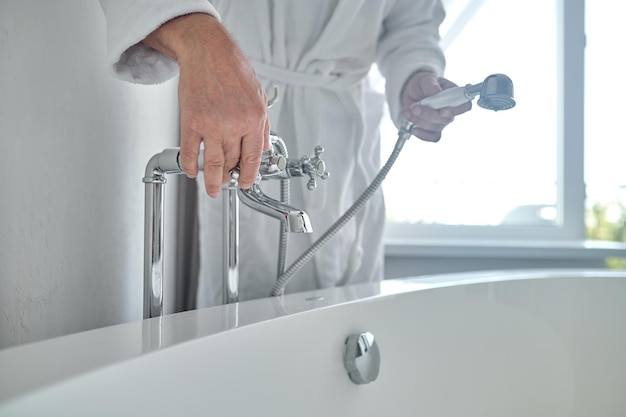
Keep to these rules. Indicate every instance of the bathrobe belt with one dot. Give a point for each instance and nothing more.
(318, 79)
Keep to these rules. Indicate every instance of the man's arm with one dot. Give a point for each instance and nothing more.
(222, 103)
(412, 62)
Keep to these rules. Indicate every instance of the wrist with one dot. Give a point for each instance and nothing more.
(173, 38)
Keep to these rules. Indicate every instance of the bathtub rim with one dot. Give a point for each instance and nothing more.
(62, 358)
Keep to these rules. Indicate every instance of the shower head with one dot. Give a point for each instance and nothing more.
(496, 93)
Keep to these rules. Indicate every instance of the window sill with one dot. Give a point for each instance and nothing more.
(465, 248)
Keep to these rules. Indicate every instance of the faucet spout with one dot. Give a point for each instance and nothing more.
(293, 219)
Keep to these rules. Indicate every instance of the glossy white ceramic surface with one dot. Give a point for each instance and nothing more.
(523, 343)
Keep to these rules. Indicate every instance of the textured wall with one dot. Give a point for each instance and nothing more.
(74, 142)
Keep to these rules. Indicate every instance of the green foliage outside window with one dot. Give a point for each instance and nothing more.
(607, 222)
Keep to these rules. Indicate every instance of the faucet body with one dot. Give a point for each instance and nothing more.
(274, 165)
(293, 219)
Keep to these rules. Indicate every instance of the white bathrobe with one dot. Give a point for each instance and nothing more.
(318, 52)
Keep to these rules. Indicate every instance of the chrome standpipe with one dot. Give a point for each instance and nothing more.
(168, 162)
(153, 249)
(230, 240)
(160, 164)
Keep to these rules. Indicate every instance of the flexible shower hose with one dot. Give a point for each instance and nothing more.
(283, 237)
(283, 280)
(496, 93)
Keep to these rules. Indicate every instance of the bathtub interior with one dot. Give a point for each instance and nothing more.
(480, 344)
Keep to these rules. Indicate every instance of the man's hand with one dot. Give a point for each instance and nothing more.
(222, 103)
(428, 122)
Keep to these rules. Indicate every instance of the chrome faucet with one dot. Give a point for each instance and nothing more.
(293, 219)
(274, 165)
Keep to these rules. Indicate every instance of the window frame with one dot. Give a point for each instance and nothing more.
(570, 223)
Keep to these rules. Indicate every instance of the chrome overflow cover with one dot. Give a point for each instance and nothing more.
(362, 358)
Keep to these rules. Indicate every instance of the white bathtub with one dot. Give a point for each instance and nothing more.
(492, 344)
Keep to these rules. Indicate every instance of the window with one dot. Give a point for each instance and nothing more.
(516, 174)
(605, 141)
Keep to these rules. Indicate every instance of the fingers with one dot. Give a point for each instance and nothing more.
(221, 155)
(419, 85)
(190, 140)
(252, 146)
(189, 152)
(445, 83)
(428, 123)
(192, 136)
(225, 148)
(266, 133)
(213, 166)
(428, 85)
(232, 153)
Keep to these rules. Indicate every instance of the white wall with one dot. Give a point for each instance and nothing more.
(74, 142)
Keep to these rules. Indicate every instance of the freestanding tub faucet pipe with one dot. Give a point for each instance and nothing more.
(273, 165)
(230, 241)
(160, 164)
(168, 162)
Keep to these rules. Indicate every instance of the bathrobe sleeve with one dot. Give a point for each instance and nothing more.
(409, 42)
(128, 22)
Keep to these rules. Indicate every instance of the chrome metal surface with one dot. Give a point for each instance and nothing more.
(274, 164)
(295, 220)
(166, 162)
(497, 93)
(273, 98)
(314, 168)
(230, 239)
(153, 250)
(362, 358)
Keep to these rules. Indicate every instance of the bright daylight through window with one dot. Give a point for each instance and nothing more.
(605, 141)
(519, 173)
